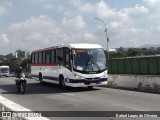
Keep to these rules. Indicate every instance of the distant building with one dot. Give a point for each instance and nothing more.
(22, 54)
(27, 54)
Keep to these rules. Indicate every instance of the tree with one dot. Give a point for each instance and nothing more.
(1, 57)
(25, 63)
(133, 52)
(15, 63)
(9, 56)
(158, 50)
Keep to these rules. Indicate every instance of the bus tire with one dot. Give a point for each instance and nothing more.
(62, 82)
(90, 87)
(41, 79)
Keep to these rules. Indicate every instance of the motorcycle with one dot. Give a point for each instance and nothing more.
(21, 83)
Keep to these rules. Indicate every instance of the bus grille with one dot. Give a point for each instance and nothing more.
(97, 78)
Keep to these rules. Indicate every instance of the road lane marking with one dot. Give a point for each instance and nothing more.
(8, 105)
(127, 107)
(68, 94)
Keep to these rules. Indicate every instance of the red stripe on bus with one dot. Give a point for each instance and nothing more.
(49, 64)
(44, 49)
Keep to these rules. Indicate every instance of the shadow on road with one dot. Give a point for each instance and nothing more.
(48, 88)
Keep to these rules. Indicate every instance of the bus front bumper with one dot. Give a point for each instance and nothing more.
(84, 82)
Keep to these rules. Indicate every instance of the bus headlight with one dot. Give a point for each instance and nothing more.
(79, 77)
(105, 74)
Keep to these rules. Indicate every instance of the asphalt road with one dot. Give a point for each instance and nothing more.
(52, 98)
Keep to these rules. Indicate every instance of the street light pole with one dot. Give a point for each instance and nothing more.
(106, 35)
(108, 46)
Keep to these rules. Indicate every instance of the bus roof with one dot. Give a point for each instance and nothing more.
(75, 45)
(85, 46)
(44, 49)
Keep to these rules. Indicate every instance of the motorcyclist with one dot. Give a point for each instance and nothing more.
(19, 73)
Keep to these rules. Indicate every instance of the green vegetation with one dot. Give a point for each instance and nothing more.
(134, 52)
(15, 63)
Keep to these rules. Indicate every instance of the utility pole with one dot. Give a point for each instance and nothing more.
(106, 35)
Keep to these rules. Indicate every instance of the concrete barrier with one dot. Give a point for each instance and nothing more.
(7, 106)
(140, 82)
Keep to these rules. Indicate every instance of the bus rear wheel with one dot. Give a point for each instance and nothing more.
(62, 82)
(41, 79)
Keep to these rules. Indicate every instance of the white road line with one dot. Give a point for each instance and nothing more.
(8, 105)
(127, 107)
(68, 94)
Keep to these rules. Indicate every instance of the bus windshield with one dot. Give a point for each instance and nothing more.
(89, 60)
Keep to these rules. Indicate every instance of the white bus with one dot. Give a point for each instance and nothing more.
(4, 71)
(74, 65)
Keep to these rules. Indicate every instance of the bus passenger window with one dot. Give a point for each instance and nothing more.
(52, 56)
(40, 57)
(43, 58)
(33, 58)
(48, 57)
(36, 58)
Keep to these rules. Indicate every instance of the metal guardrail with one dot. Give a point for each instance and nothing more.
(139, 66)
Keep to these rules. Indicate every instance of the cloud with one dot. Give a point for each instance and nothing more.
(33, 24)
(102, 10)
(34, 32)
(43, 31)
(87, 7)
(135, 12)
(49, 6)
(4, 6)
(125, 25)
(4, 39)
(151, 2)
(132, 26)
(75, 3)
(88, 36)
(99, 9)
(75, 23)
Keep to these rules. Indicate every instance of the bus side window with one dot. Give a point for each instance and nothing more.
(32, 58)
(52, 56)
(48, 57)
(36, 58)
(43, 57)
(40, 57)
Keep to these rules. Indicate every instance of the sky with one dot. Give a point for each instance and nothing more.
(33, 24)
